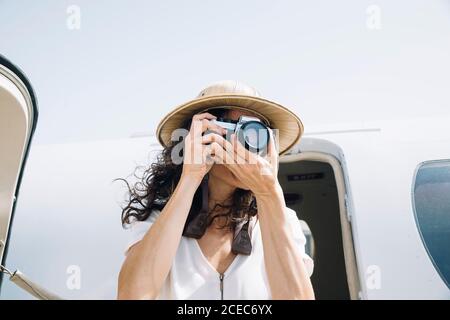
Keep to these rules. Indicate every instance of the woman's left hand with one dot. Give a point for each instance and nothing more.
(259, 174)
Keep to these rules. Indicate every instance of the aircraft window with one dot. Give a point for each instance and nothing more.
(431, 203)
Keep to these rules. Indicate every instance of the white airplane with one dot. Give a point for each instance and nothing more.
(374, 198)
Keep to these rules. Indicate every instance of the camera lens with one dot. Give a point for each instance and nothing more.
(254, 136)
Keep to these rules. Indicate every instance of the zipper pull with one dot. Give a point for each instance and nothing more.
(221, 276)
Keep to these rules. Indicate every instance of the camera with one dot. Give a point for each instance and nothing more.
(251, 132)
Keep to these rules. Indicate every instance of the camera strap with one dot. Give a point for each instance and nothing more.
(196, 227)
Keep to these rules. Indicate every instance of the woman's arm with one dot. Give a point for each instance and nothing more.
(148, 262)
(286, 271)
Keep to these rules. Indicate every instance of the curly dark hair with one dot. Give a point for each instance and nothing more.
(155, 186)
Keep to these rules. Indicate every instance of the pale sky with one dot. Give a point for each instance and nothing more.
(132, 61)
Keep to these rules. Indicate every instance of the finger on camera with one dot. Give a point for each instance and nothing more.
(201, 124)
(211, 137)
(199, 127)
(241, 151)
(199, 117)
(212, 126)
(221, 139)
(204, 115)
(218, 149)
(228, 148)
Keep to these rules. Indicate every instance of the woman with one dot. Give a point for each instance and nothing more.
(217, 228)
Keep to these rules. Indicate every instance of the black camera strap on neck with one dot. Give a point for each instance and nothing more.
(242, 243)
(196, 227)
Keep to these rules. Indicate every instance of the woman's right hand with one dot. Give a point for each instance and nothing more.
(144, 270)
(196, 160)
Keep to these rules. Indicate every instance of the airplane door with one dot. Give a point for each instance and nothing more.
(18, 117)
(316, 171)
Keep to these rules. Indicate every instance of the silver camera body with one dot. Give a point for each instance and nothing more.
(251, 132)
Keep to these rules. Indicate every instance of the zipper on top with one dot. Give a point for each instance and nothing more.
(221, 276)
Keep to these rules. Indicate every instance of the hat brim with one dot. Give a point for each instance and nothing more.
(288, 124)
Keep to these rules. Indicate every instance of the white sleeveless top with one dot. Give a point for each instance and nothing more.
(193, 277)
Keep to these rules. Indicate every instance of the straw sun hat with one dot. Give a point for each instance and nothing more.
(235, 95)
